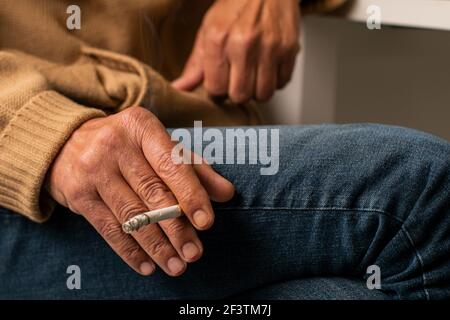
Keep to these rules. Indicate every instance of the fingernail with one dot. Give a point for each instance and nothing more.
(146, 268)
(175, 265)
(201, 218)
(190, 251)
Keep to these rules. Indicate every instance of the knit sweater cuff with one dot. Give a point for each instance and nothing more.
(28, 146)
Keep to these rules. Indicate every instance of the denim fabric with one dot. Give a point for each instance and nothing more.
(315, 288)
(346, 197)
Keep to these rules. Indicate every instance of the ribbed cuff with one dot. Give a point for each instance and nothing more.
(28, 146)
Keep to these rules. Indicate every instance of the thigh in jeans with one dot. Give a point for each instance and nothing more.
(344, 198)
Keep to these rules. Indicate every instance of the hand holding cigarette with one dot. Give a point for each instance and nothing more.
(113, 169)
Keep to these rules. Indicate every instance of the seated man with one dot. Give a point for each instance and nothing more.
(85, 127)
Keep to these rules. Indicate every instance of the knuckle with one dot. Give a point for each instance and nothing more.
(245, 40)
(157, 246)
(152, 189)
(108, 137)
(175, 228)
(130, 252)
(136, 121)
(110, 231)
(90, 160)
(128, 209)
(132, 114)
(166, 166)
(216, 37)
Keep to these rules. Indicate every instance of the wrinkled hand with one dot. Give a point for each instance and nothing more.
(244, 49)
(116, 167)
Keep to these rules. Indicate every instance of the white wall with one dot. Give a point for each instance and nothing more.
(348, 73)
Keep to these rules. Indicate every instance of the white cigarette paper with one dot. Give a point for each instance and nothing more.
(146, 218)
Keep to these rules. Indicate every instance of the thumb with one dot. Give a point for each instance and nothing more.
(219, 189)
(191, 77)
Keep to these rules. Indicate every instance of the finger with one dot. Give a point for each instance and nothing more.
(289, 49)
(125, 204)
(285, 71)
(216, 68)
(219, 189)
(155, 194)
(191, 78)
(183, 238)
(242, 51)
(104, 221)
(192, 75)
(267, 75)
(179, 177)
(242, 80)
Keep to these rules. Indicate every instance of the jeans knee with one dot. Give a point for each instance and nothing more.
(409, 144)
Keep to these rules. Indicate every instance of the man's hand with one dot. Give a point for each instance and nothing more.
(244, 49)
(114, 168)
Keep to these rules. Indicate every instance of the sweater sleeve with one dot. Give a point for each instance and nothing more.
(35, 121)
(42, 102)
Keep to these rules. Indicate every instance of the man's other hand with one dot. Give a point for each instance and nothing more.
(245, 49)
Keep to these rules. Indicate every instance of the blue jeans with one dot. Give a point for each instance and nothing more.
(345, 198)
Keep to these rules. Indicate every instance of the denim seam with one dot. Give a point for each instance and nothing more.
(419, 258)
(402, 228)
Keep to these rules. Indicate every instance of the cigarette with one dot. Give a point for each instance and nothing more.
(146, 218)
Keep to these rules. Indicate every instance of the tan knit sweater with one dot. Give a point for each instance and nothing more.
(52, 79)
